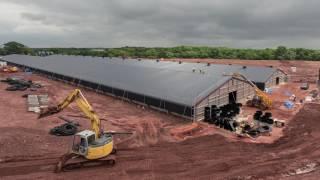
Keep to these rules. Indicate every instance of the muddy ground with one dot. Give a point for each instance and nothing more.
(158, 148)
(294, 156)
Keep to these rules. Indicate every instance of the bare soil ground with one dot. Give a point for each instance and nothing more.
(162, 146)
(293, 156)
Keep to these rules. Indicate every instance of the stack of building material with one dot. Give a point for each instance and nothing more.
(35, 102)
(2, 63)
(43, 100)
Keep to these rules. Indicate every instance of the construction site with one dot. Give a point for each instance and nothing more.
(65, 117)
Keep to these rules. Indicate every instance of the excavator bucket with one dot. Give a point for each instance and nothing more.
(48, 111)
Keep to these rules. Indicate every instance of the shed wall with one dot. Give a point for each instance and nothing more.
(220, 96)
(272, 80)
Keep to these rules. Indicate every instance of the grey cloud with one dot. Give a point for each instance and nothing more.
(113, 23)
(33, 17)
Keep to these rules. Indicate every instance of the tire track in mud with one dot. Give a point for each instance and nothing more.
(20, 166)
(35, 164)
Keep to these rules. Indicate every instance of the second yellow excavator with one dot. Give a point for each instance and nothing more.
(260, 100)
(10, 69)
(89, 146)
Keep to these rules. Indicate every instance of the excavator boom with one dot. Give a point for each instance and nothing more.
(90, 147)
(266, 102)
(82, 103)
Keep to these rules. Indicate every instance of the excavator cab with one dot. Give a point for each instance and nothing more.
(87, 145)
(81, 142)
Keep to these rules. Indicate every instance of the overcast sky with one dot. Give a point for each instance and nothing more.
(116, 23)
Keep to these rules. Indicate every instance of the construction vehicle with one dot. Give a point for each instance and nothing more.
(90, 147)
(260, 99)
(10, 69)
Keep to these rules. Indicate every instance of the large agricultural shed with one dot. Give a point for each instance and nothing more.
(184, 89)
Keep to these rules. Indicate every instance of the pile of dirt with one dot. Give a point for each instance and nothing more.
(196, 129)
(188, 130)
(145, 133)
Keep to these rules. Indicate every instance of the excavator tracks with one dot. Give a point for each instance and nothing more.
(70, 162)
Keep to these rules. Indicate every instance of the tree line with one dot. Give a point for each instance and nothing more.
(279, 53)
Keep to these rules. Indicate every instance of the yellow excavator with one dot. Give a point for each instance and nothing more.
(10, 69)
(90, 147)
(260, 99)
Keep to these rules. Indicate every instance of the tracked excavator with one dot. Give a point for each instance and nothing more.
(260, 99)
(10, 69)
(90, 147)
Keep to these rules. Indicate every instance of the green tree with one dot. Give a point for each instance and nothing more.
(304, 54)
(290, 55)
(267, 54)
(16, 48)
(281, 53)
(214, 53)
(2, 51)
(151, 53)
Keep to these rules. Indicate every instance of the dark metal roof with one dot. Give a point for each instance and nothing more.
(168, 81)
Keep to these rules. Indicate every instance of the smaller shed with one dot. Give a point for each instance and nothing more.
(262, 76)
(266, 77)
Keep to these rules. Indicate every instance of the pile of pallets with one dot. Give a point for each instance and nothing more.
(36, 102)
